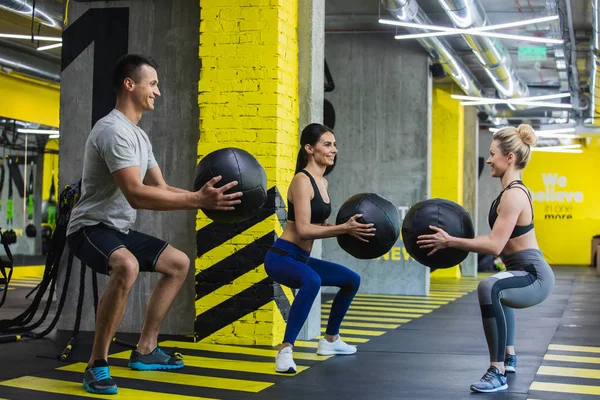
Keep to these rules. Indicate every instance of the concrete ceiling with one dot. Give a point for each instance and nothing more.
(347, 16)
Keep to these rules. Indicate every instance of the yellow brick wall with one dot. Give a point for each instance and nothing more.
(248, 98)
(447, 153)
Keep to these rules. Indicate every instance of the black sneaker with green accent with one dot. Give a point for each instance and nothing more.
(510, 363)
(157, 360)
(492, 381)
(97, 379)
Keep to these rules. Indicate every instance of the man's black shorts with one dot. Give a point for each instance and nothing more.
(94, 244)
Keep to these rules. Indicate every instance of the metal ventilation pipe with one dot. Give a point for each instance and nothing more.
(24, 9)
(595, 73)
(27, 64)
(490, 52)
(438, 48)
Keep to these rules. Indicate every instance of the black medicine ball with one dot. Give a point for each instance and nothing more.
(31, 231)
(234, 165)
(445, 214)
(375, 210)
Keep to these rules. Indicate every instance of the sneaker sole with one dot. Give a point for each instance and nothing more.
(335, 353)
(288, 371)
(510, 369)
(153, 367)
(503, 387)
(105, 391)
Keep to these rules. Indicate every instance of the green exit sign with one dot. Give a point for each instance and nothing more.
(533, 53)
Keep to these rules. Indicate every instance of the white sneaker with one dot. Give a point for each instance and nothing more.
(284, 362)
(338, 347)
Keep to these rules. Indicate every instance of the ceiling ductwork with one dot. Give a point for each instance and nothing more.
(23, 63)
(438, 48)
(595, 70)
(23, 8)
(490, 52)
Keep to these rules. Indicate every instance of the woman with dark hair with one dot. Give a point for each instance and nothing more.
(289, 263)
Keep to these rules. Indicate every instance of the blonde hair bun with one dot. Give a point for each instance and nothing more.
(527, 134)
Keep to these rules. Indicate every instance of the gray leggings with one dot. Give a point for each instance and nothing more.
(527, 281)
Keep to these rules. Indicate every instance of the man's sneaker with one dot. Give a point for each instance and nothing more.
(492, 381)
(338, 347)
(157, 360)
(284, 362)
(97, 379)
(510, 363)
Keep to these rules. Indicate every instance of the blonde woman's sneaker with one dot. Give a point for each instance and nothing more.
(510, 363)
(284, 362)
(327, 348)
(492, 381)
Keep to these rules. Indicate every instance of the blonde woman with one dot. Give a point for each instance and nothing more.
(528, 279)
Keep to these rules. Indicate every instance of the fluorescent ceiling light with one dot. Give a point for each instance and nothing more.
(39, 131)
(28, 37)
(556, 149)
(525, 103)
(479, 31)
(518, 99)
(551, 133)
(54, 136)
(50, 46)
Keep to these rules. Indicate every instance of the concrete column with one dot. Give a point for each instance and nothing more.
(382, 105)
(470, 178)
(167, 31)
(311, 77)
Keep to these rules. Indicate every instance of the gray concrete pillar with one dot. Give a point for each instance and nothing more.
(168, 31)
(471, 165)
(382, 103)
(311, 65)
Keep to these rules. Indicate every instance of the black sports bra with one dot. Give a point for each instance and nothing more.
(319, 210)
(519, 230)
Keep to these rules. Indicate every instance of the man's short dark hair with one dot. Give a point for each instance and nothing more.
(128, 67)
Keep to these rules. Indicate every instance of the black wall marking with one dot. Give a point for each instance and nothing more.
(215, 234)
(237, 307)
(108, 28)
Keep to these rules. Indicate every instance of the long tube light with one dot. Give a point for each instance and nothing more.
(478, 31)
(39, 131)
(28, 37)
(511, 101)
(50, 46)
(525, 103)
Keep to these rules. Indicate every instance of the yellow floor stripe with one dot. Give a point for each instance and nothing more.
(577, 359)
(389, 309)
(358, 332)
(394, 305)
(565, 388)
(222, 348)
(580, 349)
(570, 372)
(363, 324)
(398, 301)
(377, 314)
(76, 389)
(32, 271)
(257, 367)
(449, 292)
(403, 296)
(180, 379)
(372, 319)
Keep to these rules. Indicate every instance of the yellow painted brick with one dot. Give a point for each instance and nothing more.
(270, 36)
(249, 37)
(251, 13)
(236, 136)
(260, 98)
(270, 14)
(250, 25)
(258, 49)
(264, 329)
(243, 329)
(209, 13)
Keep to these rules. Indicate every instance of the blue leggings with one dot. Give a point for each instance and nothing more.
(290, 265)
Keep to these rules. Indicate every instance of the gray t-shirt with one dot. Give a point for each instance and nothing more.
(113, 144)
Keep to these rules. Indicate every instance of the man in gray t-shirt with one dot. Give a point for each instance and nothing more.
(121, 175)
